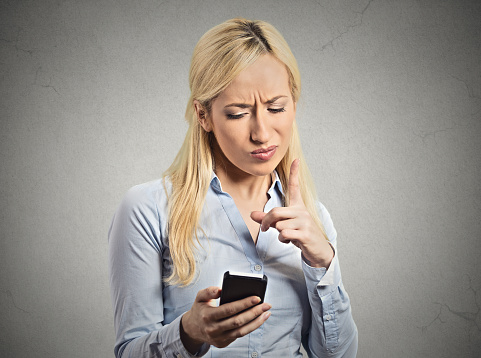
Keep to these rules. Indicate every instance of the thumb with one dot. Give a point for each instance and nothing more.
(257, 216)
(207, 294)
(295, 196)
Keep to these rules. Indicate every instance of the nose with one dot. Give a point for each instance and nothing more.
(260, 132)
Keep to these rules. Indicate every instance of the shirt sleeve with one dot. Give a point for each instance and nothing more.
(333, 332)
(135, 259)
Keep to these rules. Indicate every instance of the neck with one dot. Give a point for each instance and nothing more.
(249, 187)
(239, 183)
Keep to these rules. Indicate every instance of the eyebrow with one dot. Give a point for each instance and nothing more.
(245, 105)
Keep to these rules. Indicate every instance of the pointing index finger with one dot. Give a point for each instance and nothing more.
(294, 189)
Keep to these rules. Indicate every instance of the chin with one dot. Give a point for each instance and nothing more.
(262, 169)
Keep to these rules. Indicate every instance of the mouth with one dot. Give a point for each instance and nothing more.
(264, 153)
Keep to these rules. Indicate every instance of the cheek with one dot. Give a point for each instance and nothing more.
(225, 135)
(229, 140)
(286, 127)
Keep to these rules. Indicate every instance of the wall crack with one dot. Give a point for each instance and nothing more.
(358, 23)
(10, 296)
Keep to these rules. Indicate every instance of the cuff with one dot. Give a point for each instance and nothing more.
(321, 280)
(172, 344)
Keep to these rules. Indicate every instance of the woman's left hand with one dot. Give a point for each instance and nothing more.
(296, 225)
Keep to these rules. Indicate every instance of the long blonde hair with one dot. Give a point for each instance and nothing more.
(219, 56)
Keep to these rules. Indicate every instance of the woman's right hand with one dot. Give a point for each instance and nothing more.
(222, 325)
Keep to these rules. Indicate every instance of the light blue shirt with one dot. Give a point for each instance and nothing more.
(309, 305)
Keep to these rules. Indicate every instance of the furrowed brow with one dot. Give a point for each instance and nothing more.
(246, 105)
(274, 99)
(239, 105)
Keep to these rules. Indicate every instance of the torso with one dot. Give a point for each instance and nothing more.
(245, 208)
(224, 248)
(246, 204)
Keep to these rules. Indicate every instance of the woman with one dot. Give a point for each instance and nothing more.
(236, 198)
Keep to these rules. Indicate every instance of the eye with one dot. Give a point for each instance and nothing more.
(235, 116)
(277, 110)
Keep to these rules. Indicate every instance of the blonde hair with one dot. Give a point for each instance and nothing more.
(219, 56)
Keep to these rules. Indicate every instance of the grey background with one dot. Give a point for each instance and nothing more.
(92, 101)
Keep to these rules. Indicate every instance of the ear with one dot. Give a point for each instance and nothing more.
(202, 116)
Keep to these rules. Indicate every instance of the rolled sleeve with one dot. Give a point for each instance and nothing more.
(135, 250)
(170, 344)
(333, 332)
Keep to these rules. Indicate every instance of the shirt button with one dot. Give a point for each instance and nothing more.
(328, 317)
(257, 268)
(254, 355)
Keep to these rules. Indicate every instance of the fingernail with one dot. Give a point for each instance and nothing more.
(256, 300)
(266, 315)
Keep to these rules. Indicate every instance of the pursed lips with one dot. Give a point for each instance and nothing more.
(264, 150)
(264, 153)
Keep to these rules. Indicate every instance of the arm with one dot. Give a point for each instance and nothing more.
(135, 259)
(135, 255)
(333, 332)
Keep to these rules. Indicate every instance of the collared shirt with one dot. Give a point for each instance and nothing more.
(309, 305)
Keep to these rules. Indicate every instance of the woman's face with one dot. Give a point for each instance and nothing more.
(252, 119)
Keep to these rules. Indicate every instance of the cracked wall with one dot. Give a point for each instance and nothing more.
(92, 102)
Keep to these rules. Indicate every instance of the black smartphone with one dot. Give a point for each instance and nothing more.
(238, 285)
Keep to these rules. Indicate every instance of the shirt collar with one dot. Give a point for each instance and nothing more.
(276, 183)
(215, 183)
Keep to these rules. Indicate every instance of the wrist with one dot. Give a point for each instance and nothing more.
(325, 261)
(191, 345)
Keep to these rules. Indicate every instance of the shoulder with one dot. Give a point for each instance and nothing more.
(146, 199)
(146, 192)
(141, 216)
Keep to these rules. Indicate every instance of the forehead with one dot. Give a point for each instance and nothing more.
(266, 78)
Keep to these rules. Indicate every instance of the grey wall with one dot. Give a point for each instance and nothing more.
(92, 101)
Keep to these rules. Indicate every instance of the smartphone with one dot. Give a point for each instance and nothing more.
(238, 285)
